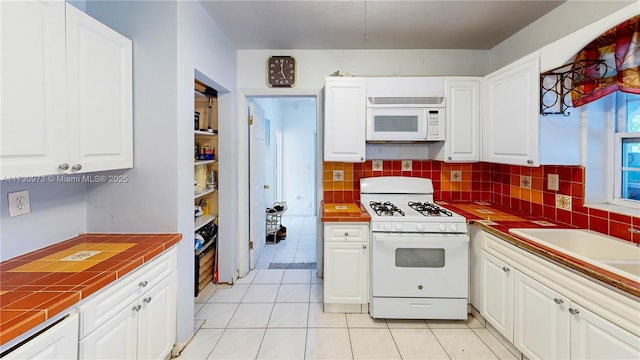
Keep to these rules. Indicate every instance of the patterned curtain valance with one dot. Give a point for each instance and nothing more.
(619, 49)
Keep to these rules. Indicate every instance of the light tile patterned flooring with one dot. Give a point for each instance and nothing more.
(277, 314)
(298, 247)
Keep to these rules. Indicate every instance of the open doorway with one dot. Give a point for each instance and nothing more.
(284, 130)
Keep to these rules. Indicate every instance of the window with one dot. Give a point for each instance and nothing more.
(627, 152)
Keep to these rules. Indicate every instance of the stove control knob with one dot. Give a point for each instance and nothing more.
(452, 227)
(420, 227)
(398, 226)
(387, 226)
(442, 227)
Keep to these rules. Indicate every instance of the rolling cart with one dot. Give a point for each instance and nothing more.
(274, 221)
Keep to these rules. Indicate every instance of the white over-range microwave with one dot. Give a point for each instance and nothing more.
(406, 119)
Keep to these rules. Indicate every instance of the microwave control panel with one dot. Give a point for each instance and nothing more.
(435, 125)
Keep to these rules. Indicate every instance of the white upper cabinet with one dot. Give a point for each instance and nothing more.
(33, 122)
(462, 142)
(511, 110)
(66, 92)
(99, 87)
(344, 119)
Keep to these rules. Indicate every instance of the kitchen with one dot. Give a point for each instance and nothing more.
(112, 208)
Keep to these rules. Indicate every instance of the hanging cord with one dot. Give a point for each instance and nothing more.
(365, 37)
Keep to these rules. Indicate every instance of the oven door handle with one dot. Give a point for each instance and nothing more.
(423, 305)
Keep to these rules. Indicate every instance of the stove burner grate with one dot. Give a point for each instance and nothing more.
(386, 208)
(429, 209)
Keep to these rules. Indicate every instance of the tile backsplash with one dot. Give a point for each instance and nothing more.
(518, 187)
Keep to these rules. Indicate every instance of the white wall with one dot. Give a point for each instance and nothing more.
(58, 212)
(562, 21)
(299, 158)
(315, 65)
(171, 40)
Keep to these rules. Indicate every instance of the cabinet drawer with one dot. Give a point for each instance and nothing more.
(109, 301)
(349, 232)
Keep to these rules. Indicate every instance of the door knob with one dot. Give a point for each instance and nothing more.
(266, 186)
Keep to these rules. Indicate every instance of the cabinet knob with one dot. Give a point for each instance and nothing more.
(558, 301)
(574, 311)
(137, 307)
(143, 283)
(505, 269)
(147, 300)
(364, 246)
(77, 167)
(530, 162)
(64, 166)
(449, 158)
(346, 233)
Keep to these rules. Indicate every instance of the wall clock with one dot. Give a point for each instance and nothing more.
(281, 71)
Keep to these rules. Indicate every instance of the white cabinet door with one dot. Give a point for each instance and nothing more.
(344, 119)
(463, 119)
(511, 108)
(541, 320)
(497, 294)
(116, 339)
(33, 126)
(58, 342)
(157, 321)
(346, 268)
(99, 74)
(593, 337)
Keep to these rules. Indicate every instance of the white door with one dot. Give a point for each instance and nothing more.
(510, 119)
(344, 119)
(115, 339)
(463, 119)
(345, 272)
(157, 320)
(541, 320)
(33, 109)
(257, 217)
(593, 337)
(99, 73)
(497, 294)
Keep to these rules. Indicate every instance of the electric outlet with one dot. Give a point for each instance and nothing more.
(553, 182)
(19, 203)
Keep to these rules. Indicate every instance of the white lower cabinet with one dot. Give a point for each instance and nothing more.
(541, 320)
(346, 267)
(594, 337)
(544, 323)
(497, 295)
(141, 315)
(57, 342)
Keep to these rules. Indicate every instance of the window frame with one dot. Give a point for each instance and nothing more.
(615, 169)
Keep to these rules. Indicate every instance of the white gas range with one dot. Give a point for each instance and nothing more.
(419, 258)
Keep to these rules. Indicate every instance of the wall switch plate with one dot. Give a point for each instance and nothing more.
(338, 175)
(19, 203)
(553, 182)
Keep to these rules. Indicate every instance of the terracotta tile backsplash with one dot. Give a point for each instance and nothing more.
(517, 187)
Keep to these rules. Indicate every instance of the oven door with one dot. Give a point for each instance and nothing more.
(420, 265)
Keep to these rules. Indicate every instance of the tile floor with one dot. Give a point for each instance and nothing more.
(277, 314)
(298, 247)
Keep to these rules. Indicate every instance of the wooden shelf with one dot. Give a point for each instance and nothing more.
(202, 221)
(205, 192)
(205, 133)
(204, 162)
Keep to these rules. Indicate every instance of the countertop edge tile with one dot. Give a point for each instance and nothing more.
(68, 290)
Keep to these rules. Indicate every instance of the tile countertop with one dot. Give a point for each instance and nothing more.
(344, 212)
(36, 286)
(498, 220)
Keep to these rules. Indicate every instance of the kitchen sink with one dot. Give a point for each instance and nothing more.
(609, 253)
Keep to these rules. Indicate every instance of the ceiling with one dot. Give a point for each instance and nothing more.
(389, 24)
